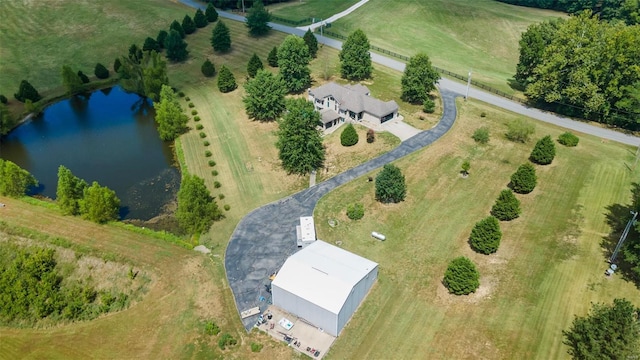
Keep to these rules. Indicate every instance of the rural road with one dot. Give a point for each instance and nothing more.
(264, 238)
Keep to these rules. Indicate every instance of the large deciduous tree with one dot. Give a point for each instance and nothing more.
(176, 47)
(355, 60)
(69, 192)
(254, 65)
(221, 37)
(461, 276)
(169, 115)
(197, 209)
(607, 332)
(226, 80)
(6, 120)
(533, 43)
(299, 138)
(312, 43)
(258, 19)
(265, 96)
(145, 78)
(419, 79)
(26, 91)
(293, 60)
(99, 204)
(390, 185)
(14, 180)
(71, 80)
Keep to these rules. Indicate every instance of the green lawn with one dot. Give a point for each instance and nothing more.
(458, 35)
(296, 10)
(549, 267)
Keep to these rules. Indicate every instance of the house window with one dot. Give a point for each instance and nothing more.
(386, 118)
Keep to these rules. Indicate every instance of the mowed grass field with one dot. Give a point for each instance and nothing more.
(549, 267)
(38, 37)
(458, 35)
(298, 10)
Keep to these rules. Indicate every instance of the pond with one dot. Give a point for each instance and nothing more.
(110, 137)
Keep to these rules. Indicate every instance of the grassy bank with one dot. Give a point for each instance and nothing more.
(458, 35)
(549, 267)
(299, 10)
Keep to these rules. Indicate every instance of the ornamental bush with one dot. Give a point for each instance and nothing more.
(355, 211)
(349, 136)
(520, 131)
(226, 80)
(568, 139)
(371, 136)
(461, 277)
(485, 236)
(100, 71)
(506, 207)
(481, 135)
(544, 151)
(390, 185)
(524, 180)
(428, 106)
(208, 69)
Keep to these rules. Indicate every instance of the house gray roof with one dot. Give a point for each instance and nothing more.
(328, 115)
(355, 98)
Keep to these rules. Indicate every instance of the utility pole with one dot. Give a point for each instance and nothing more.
(468, 86)
(631, 222)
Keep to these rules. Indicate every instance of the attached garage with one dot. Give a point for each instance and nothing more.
(324, 285)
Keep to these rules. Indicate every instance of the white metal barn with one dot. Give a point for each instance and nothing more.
(324, 285)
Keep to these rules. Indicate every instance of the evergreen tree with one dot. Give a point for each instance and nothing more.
(208, 69)
(312, 43)
(101, 72)
(162, 36)
(506, 207)
(27, 92)
(69, 192)
(293, 60)
(254, 65)
(272, 59)
(14, 180)
(265, 96)
(524, 180)
(135, 53)
(258, 19)
(150, 44)
(117, 64)
(83, 78)
(71, 80)
(390, 185)
(176, 47)
(169, 115)
(175, 25)
(197, 209)
(349, 136)
(200, 19)
(544, 151)
(221, 37)
(99, 204)
(419, 79)
(6, 120)
(299, 138)
(485, 236)
(461, 277)
(3, 99)
(355, 60)
(226, 80)
(211, 13)
(188, 25)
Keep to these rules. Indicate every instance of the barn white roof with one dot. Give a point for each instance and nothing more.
(323, 274)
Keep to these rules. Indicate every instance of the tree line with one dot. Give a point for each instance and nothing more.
(583, 67)
(625, 10)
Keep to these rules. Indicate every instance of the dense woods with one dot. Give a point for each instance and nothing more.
(626, 10)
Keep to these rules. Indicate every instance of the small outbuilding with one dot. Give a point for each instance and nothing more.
(324, 285)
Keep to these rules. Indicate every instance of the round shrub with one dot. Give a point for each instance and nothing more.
(227, 207)
(485, 236)
(544, 151)
(191, 105)
(461, 277)
(208, 69)
(194, 112)
(212, 163)
(524, 180)
(520, 130)
(481, 135)
(214, 172)
(203, 135)
(568, 139)
(221, 196)
(199, 127)
(371, 136)
(187, 99)
(3, 99)
(196, 118)
(483, 114)
(216, 184)
(355, 211)
(349, 136)
(100, 71)
(506, 207)
(206, 143)
(181, 94)
(207, 153)
(428, 106)
(256, 347)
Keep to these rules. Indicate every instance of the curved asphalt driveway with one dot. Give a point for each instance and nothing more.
(264, 238)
